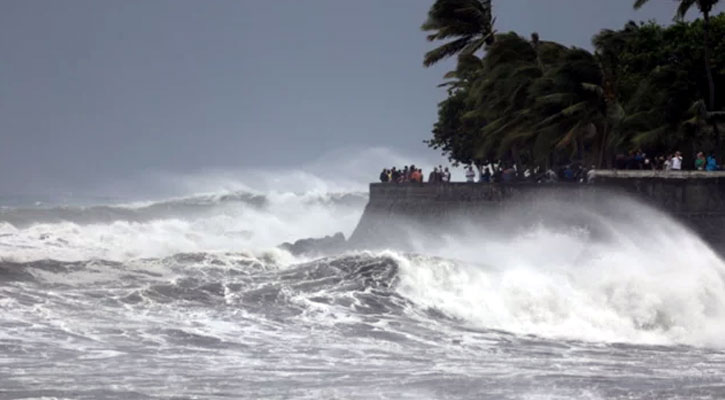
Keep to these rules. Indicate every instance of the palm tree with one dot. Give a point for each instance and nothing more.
(467, 70)
(468, 22)
(705, 7)
(608, 46)
(500, 97)
(539, 100)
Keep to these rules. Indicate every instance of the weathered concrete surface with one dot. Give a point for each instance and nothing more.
(695, 198)
(683, 194)
(671, 174)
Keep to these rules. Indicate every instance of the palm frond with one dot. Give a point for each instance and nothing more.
(649, 137)
(445, 51)
(683, 8)
(569, 136)
(639, 3)
(594, 88)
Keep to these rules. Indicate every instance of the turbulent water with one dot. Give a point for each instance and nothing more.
(190, 299)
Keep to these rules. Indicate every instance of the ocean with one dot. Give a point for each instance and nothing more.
(191, 298)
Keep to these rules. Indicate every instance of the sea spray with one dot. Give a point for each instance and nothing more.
(642, 278)
(220, 222)
(176, 303)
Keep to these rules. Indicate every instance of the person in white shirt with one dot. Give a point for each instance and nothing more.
(676, 163)
(470, 175)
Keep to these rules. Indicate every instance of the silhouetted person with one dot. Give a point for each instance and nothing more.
(711, 163)
(395, 175)
(568, 174)
(384, 176)
(433, 177)
(485, 175)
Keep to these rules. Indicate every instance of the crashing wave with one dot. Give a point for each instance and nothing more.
(186, 207)
(216, 222)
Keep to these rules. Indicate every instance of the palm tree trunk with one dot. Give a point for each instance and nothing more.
(489, 19)
(599, 162)
(710, 81)
(516, 157)
(708, 67)
(489, 8)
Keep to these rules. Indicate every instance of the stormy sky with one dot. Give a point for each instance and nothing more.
(98, 91)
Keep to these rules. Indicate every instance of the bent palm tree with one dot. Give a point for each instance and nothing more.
(468, 22)
(705, 7)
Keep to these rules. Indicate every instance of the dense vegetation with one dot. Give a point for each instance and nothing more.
(538, 102)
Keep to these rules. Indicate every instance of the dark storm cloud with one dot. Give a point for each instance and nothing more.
(95, 91)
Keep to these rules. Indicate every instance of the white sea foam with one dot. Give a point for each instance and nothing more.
(625, 274)
(650, 280)
(298, 203)
(221, 227)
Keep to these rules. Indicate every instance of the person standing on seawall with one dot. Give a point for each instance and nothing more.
(416, 176)
(446, 175)
(667, 165)
(433, 176)
(711, 164)
(700, 161)
(470, 175)
(677, 161)
(384, 177)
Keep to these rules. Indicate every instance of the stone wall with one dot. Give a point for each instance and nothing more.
(695, 198)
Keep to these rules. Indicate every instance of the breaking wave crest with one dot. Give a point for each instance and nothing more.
(633, 277)
(616, 271)
(401, 296)
(214, 222)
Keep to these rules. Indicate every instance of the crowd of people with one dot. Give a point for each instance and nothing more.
(486, 173)
(497, 172)
(673, 161)
(501, 172)
(413, 174)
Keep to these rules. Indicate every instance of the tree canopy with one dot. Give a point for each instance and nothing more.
(468, 22)
(540, 102)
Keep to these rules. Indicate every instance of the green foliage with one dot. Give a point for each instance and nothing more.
(658, 74)
(469, 23)
(705, 7)
(540, 102)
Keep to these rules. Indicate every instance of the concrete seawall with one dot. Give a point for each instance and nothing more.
(695, 198)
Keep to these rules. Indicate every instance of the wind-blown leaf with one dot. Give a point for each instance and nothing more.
(468, 22)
